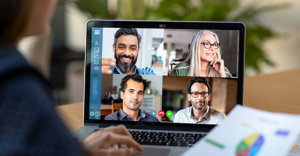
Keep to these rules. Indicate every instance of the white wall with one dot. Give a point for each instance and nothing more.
(75, 27)
(108, 40)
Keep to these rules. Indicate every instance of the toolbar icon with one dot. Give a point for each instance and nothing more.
(96, 43)
(96, 50)
(96, 56)
(92, 113)
(96, 68)
(96, 61)
(97, 32)
(153, 112)
(97, 113)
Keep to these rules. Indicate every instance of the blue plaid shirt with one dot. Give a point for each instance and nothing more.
(137, 71)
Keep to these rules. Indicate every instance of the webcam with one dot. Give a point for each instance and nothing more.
(162, 25)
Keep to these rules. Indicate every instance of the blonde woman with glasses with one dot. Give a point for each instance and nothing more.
(204, 58)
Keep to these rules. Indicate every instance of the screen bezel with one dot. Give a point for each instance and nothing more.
(161, 25)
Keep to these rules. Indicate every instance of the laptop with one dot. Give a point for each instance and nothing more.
(168, 82)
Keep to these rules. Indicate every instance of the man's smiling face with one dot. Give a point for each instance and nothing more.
(126, 52)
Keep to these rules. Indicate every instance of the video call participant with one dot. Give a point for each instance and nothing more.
(132, 94)
(200, 112)
(204, 58)
(126, 47)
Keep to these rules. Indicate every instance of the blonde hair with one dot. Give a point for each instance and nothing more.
(194, 59)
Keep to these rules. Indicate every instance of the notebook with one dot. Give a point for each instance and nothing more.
(168, 82)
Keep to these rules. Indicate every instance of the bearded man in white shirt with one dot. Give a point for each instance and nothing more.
(200, 112)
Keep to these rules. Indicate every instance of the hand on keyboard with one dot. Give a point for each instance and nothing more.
(99, 142)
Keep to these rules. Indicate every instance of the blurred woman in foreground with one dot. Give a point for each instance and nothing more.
(29, 123)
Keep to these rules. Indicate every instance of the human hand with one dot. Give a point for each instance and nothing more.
(98, 143)
(106, 63)
(218, 65)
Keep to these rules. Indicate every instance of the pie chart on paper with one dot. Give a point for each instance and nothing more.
(250, 146)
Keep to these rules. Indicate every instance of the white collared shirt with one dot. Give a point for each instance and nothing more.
(211, 116)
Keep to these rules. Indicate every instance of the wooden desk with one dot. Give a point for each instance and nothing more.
(72, 114)
(279, 92)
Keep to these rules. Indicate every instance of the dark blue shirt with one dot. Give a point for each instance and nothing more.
(137, 71)
(122, 116)
(29, 124)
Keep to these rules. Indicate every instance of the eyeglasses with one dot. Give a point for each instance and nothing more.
(197, 94)
(208, 45)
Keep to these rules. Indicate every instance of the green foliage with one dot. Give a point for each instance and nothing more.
(148, 84)
(204, 10)
(196, 10)
(127, 9)
(131, 10)
(94, 8)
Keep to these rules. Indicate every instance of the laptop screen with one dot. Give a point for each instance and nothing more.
(181, 74)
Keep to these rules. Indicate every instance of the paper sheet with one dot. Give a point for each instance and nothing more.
(250, 132)
(295, 150)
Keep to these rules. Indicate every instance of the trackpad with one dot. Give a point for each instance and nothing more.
(153, 151)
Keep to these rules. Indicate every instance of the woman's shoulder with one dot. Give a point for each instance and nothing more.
(181, 69)
(27, 107)
(227, 72)
(18, 78)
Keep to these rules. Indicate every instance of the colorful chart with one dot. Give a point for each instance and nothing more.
(250, 145)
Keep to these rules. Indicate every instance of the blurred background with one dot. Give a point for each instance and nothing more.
(272, 27)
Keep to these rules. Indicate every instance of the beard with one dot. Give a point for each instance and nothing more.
(125, 67)
(201, 108)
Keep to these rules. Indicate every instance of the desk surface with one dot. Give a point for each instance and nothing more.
(279, 92)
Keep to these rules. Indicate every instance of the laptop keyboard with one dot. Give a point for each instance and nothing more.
(166, 138)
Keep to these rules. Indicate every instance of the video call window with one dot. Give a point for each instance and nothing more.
(189, 51)
(220, 96)
(145, 50)
(170, 75)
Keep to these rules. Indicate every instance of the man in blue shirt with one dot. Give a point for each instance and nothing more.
(126, 47)
(132, 94)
